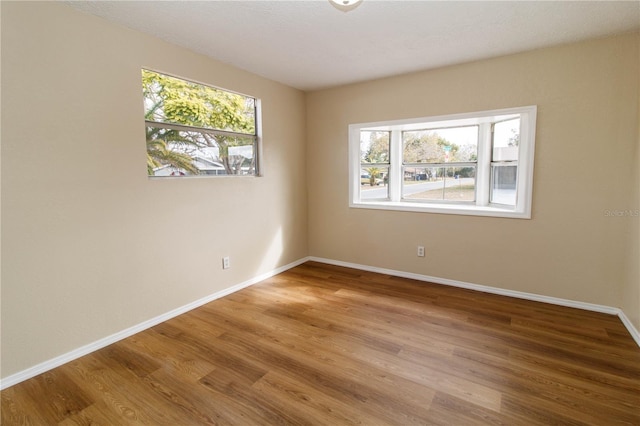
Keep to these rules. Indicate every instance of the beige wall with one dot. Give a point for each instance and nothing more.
(90, 245)
(587, 98)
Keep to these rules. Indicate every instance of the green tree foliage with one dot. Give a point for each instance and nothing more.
(514, 139)
(159, 154)
(376, 153)
(174, 101)
(428, 147)
(378, 147)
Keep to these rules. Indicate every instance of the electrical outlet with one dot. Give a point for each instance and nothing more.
(226, 262)
(420, 251)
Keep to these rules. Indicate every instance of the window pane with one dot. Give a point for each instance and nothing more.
(503, 183)
(374, 183)
(439, 183)
(455, 144)
(180, 153)
(173, 100)
(374, 147)
(506, 139)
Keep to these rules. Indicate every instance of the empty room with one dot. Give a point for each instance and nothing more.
(320, 213)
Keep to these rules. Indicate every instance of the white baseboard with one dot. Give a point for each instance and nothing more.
(99, 344)
(494, 290)
(630, 327)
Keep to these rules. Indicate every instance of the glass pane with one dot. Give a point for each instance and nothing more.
(173, 100)
(177, 153)
(503, 184)
(374, 147)
(506, 139)
(374, 183)
(439, 183)
(455, 144)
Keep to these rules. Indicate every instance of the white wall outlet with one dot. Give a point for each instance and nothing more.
(420, 251)
(226, 262)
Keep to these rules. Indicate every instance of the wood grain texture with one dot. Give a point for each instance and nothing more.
(326, 345)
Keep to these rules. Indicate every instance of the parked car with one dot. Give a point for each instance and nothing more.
(365, 179)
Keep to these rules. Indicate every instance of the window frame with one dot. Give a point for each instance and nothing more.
(481, 206)
(256, 135)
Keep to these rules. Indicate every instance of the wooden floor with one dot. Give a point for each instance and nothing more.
(324, 345)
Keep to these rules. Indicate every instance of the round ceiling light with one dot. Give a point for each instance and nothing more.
(345, 5)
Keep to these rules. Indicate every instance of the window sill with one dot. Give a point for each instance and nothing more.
(459, 209)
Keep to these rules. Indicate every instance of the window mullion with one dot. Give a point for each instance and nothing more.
(454, 164)
(483, 172)
(185, 128)
(395, 168)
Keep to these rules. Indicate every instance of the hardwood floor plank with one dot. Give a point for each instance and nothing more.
(263, 409)
(327, 345)
(18, 409)
(134, 361)
(335, 352)
(65, 397)
(358, 387)
(119, 400)
(449, 410)
(189, 366)
(316, 407)
(98, 414)
(566, 395)
(518, 378)
(191, 400)
(531, 411)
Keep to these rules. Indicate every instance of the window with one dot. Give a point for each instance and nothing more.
(474, 164)
(194, 130)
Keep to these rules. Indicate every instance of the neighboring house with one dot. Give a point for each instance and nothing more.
(206, 166)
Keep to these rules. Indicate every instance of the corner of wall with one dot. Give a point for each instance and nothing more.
(631, 295)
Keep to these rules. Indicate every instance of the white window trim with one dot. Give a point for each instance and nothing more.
(522, 209)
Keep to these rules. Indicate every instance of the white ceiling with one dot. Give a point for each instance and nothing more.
(308, 44)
